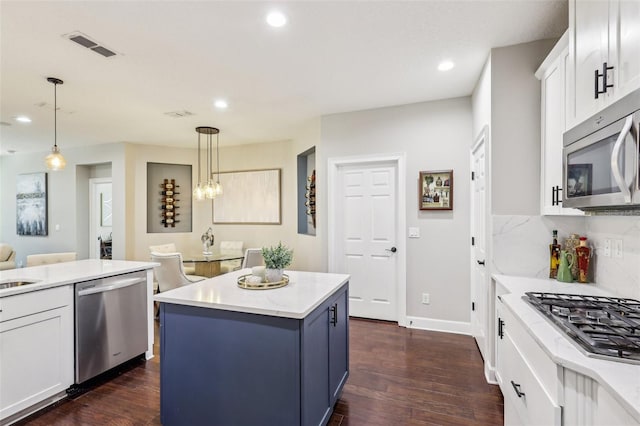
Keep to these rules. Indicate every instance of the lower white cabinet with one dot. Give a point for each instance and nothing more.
(528, 378)
(36, 347)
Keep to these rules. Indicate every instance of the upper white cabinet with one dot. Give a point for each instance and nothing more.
(604, 55)
(553, 76)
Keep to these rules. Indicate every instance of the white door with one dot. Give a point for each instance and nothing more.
(479, 288)
(366, 240)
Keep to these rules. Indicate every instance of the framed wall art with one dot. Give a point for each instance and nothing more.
(31, 205)
(250, 197)
(436, 190)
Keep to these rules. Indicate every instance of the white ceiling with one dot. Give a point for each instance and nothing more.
(176, 55)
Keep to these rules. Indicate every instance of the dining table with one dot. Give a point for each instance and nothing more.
(208, 265)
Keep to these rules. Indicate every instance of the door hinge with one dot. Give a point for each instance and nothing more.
(473, 241)
(473, 306)
(473, 175)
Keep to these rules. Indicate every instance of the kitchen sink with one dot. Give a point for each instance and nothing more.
(15, 283)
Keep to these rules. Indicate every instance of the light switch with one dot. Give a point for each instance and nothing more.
(414, 232)
(57, 226)
(617, 248)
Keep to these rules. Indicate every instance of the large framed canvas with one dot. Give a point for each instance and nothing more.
(436, 190)
(250, 197)
(31, 204)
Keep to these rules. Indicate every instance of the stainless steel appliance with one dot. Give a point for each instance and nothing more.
(601, 159)
(110, 323)
(603, 327)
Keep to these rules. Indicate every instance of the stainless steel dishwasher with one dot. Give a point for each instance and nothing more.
(110, 323)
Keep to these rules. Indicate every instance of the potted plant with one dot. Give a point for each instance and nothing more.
(275, 260)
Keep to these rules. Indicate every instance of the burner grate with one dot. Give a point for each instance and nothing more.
(604, 326)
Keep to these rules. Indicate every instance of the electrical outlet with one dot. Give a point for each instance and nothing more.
(607, 248)
(617, 248)
(425, 298)
(414, 232)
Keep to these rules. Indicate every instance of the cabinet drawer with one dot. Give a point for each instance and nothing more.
(522, 391)
(36, 301)
(546, 371)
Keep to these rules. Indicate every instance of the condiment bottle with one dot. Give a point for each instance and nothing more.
(570, 245)
(554, 255)
(584, 253)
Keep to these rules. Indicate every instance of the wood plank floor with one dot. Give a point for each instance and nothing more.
(397, 376)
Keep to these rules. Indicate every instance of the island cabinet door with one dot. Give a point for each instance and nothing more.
(316, 403)
(338, 343)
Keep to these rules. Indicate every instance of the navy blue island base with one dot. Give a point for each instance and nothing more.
(221, 367)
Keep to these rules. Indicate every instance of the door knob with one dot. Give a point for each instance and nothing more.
(480, 262)
(392, 249)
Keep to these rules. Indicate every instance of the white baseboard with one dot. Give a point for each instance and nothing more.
(456, 327)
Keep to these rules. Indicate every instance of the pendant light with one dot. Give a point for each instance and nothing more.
(55, 160)
(206, 191)
(217, 188)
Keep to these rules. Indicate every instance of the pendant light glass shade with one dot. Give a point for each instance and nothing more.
(206, 190)
(217, 188)
(55, 161)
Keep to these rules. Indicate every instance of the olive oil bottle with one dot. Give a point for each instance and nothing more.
(554, 255)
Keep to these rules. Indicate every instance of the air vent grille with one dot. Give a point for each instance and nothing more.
(84, 41)
(178, 114)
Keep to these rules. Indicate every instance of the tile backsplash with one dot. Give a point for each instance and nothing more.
(520, 246)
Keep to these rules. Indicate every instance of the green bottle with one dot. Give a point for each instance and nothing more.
(564, 269)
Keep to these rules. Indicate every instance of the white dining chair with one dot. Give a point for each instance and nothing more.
(170, 274)
(252, 257)
(189, 268)
(49, 258)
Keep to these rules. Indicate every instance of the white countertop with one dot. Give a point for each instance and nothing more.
(67, 273)
(305, 292)
(621, 379)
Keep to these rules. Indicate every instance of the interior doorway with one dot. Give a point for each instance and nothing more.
(367, 211)
(101, 216)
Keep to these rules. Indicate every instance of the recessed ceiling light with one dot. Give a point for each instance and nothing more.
(220, 104)
(276, 19)
(23, 119)
(445, 65)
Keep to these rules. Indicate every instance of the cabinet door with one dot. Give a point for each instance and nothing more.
(316, 399)
(338, 345)
(589, 23)
(625, 50)
(37, 358)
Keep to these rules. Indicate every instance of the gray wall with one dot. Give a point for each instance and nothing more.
(434, 136)
(515, 127)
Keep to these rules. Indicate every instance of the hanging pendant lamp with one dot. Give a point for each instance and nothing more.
(217, 188)
(206, 190)
(55, 161)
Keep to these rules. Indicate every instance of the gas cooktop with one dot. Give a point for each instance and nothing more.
(604, 327)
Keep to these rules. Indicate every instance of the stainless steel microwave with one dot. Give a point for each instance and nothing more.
(601, 159)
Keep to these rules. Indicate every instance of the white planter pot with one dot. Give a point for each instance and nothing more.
(273, 275)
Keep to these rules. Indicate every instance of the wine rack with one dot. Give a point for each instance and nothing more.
(168, 203)
(310, 195)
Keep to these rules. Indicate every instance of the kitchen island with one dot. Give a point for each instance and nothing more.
(37, 329)
(254, 357)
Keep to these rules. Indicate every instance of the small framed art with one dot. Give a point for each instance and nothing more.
(436, 190)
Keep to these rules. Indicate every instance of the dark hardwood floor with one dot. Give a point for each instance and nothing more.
(397, 376)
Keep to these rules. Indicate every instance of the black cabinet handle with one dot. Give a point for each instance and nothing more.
(480, 262)
(516, 387)
(555, 195)
(334, 314)
(604, 75)
(500, 328)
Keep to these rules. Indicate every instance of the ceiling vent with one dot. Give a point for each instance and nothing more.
(84, 41)
(178, 114)
(4, 123)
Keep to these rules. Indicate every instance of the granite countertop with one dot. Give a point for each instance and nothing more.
(58, 274)
(621, 379)
(305, 292)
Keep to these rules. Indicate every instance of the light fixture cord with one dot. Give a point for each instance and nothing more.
(209, 149)
(55, 115)
(199, 172)
(218, 156)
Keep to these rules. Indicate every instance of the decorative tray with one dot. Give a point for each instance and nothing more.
(242, 283)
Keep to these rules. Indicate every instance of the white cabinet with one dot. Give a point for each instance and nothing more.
(553, 77)
(604, 54)
(36, 347)
(528, 378)
(588, 403)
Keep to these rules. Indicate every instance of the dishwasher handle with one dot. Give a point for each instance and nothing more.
(125, 282)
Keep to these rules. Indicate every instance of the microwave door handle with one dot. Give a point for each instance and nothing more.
(615, 167)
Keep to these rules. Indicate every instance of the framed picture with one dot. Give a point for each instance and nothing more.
(436, 190)
(31, 205)
(250, 197)
(579, 180)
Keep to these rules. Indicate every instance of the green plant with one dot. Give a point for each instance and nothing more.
(277, 257)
